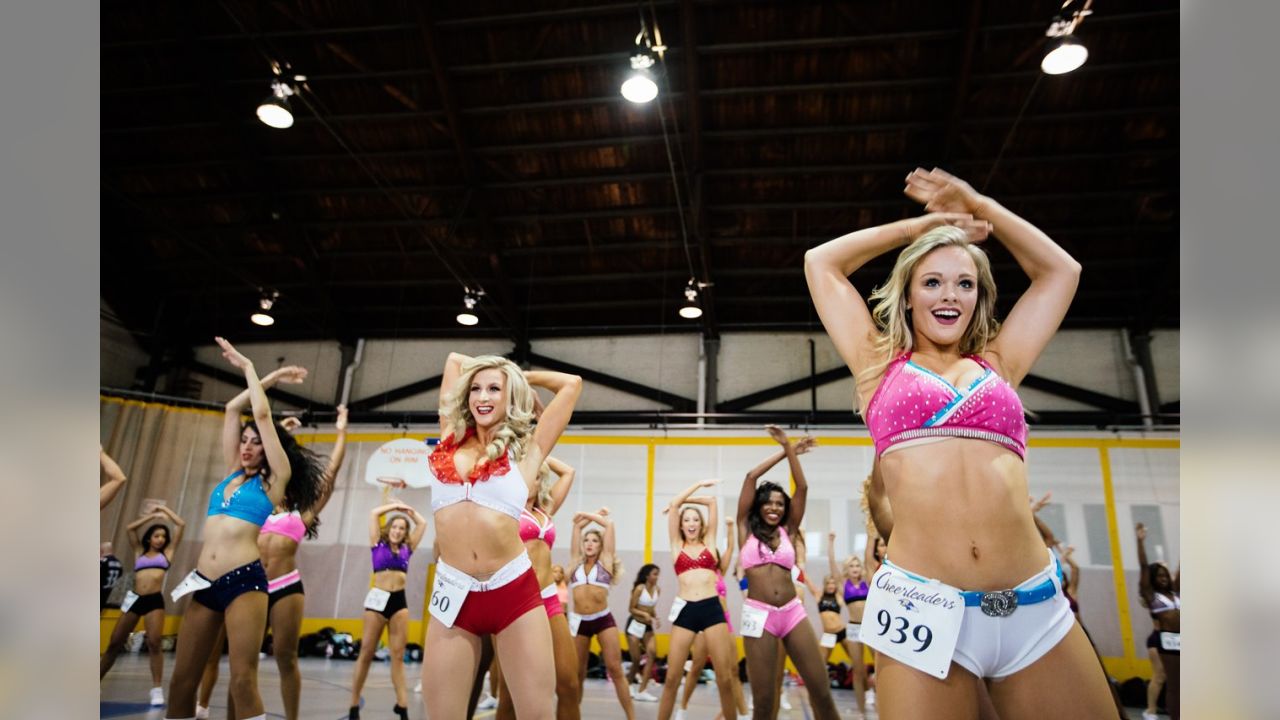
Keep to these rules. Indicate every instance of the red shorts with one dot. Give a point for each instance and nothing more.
(491, 611)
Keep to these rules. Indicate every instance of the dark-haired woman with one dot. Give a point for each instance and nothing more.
(644, 614)
(767, 520)
(1159, 591)
(385, 604)
(266, 467)
(154, 552)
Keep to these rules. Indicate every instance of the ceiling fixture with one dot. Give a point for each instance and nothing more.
(274, 110)
(691, 310)
(469, 300)
(1066, 52)
(263, 316)
(641, 86)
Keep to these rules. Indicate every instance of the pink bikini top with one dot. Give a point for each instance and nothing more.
(287, 524)
(532, 529)
(755, 553)
(913, 402)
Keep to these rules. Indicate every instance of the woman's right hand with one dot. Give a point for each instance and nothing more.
(1142, 532)
(289, 375)
(939, 190)
(233, 356)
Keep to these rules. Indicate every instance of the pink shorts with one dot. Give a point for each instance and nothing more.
(781, 620)
(551, 601)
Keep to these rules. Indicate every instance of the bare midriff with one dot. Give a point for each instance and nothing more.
(279, 554)
(1167, 621)
(147, 581)
(476, 540)
(770, 584)
(855, 610)
(540, 556)
(390, 580)
(698, 584)
(229, 542)
(961, 514)
(831, 621)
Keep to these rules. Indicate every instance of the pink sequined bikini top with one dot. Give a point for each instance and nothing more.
(913, 402)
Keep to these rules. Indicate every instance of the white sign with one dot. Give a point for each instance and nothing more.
(401, 462)
(753, 620)
(447, 596)
(914, 622)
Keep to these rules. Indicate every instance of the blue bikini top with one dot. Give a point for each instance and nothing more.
(249, 502)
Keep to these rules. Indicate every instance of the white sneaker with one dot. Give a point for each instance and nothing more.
(785, 704)
(632, 688)
(871, 697)
(644, 696)
(202, 712)
(157, 697)
(490, 702)
(418, 688)
(1149, 716)
(679, 714)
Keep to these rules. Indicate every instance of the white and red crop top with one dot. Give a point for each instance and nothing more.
(497, 485)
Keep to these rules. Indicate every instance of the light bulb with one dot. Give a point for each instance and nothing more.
(1066, 55)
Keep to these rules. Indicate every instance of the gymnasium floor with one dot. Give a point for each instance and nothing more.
(326, 688)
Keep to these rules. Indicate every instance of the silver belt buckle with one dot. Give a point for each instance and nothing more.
(1000, 603)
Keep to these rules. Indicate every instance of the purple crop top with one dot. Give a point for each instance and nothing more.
(384, 559)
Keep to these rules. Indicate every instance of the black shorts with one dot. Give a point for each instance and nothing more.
(700, 615)
(1153, 640)
(294, 588)
(395, 604)
(249, 577)
(147, 603)
(840, 636)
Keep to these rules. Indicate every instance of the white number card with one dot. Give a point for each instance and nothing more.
(753, 620)
(913, 622)
(676, 606)
(636, 629)
(376, 600)
(447, 596)
(130, 598)
(574, 621)
(828, 640)
(192, 582)
(1169, 641)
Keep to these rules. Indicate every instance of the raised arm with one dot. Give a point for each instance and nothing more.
(673, 512)
(575, 542)
(748, 493)
(330, 477)
(132, 529)
(1144, 578)
(555, 416)
(449, 378)
(1073, 577)
(840, 306)
(375, 516)
(179, 528)
(801, 495)
(560, 490)
(1054, 274)
(115, 479)
(831, 555)
(419, 525)
(238, 405)
(731, 544)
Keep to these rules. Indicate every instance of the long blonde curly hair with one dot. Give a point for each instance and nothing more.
(889, 301)
(516, 428)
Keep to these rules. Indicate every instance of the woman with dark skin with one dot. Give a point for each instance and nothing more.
(767, 519)
(1159, 591)
(154, 553)
(392, 547)
(644, 610)
(596, 566)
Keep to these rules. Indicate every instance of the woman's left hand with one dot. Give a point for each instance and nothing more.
(940, 191)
